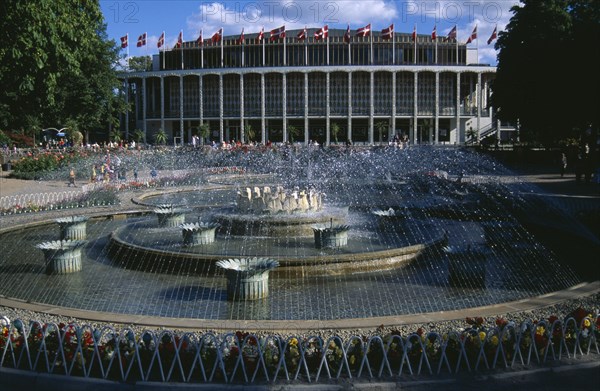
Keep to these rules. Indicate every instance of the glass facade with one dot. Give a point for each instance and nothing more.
(368, 81)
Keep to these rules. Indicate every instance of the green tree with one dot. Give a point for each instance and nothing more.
(249, 132)
(294, 132)
(335, 131)
(204, 131)
(140, 64)
(56, 63)
(138, 135)
(548, 55)
(160, 137)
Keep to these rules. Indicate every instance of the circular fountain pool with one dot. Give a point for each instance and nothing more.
(393, 264)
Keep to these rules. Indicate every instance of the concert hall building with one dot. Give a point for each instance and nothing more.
(328, 90)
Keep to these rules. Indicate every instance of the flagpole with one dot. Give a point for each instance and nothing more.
(181, 50)
(371, 36)
(349, 49)
(242, 44)
(456, 44)
(284, 39)
(305, 46)
(415, 44)
(222, 42)
(164, 47)
(263, 46)
(393, 47)
(477, 46)
(327, 45)
(436, 48)
(202, 49)
(127, 51)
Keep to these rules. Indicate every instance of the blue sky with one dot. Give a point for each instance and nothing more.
(153, 16)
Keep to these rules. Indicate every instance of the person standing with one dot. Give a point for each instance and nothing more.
(563, 164)
(72, 178)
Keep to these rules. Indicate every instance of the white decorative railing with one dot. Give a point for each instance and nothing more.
(239, 357)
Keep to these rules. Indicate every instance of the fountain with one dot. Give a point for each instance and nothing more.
(198, 233)
(331, 236)
(402, 228)
(62, 256)
(247, 279)
(170, 215)
(73, 227)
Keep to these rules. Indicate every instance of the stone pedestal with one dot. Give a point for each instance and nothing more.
(73, 228)
(331, 237)
(62, 257)
(247, 279)
(198, 234)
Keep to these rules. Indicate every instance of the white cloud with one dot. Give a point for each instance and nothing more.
(294, 14)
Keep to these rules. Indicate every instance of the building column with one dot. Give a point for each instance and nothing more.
(415, 108)
(349, 134)
(162, 103)
(306, 133)
(327, 109)
(393, 119)
(181, 109)
(144, 109)
(478, 100)
(284, 103)
(460, 139)
(221, 135)
(242, 133)
(371, 108)
(263, 124)
(436, 125)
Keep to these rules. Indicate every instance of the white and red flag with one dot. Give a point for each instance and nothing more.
(141, 40)
(347, 35)
(217, 36)
(451, 34)
(277, 33)
(124, 41)
(434, 33)
(473, 35)
(322, 33)
(161, 40)
(179, 43)
(301, 36)
(364, 31)
(493, 36)
(261, 35)
(388, 33)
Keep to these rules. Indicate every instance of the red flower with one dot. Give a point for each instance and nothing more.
(552, 319)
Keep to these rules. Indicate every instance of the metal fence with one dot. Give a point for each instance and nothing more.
(240, 357)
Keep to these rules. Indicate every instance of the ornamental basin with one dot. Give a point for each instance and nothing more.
(170, 216)
(62, 256)
(467, 265)
(73, 227)
(199, 233)
(331, 236)
(247, 278)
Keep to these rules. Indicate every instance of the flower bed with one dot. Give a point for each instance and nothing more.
(242, 357)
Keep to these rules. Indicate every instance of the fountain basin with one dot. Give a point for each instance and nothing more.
(247, 278)
(331, 236)
(467, 267)
(170, 216)
(73, 227)
(198, 233)
(62, 257)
